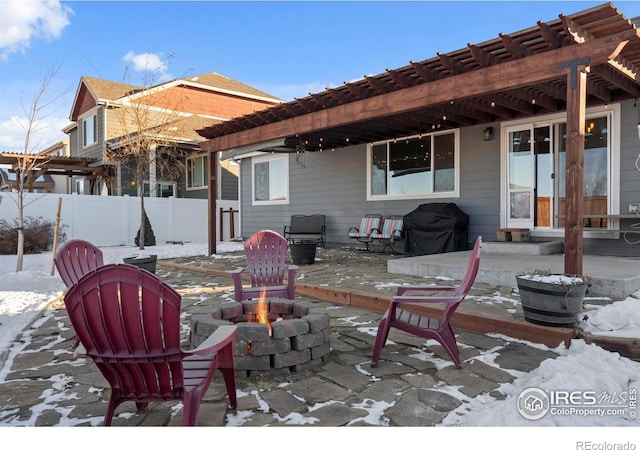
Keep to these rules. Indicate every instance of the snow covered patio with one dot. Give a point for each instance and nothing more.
(414, 385)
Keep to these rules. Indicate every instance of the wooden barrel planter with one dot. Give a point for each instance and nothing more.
(552, 303)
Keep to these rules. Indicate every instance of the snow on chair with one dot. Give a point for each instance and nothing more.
(368, 224)
(404, 311)
(266, 253)
(128, 321)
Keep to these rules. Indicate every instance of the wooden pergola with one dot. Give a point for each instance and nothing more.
(576, 61)
(55, 165)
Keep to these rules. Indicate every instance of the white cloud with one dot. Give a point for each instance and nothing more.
(49, 132)
(150, 64)
(21, 21)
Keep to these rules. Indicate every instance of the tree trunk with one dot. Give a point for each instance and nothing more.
(20, 250)
(142, 223)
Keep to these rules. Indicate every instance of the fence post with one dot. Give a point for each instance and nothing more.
(55, 237)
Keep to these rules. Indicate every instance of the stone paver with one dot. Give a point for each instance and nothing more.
(415, 383)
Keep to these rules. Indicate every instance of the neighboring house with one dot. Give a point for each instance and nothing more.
(186, 104)
(62, 183)
(484, 127)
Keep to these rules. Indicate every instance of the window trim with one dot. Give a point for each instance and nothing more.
(205, 181)
(94, 117)
(261, 159)
(455, 193)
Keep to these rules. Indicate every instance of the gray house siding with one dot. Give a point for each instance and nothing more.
(334, 184)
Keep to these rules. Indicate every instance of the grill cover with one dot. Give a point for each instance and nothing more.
(436, 228)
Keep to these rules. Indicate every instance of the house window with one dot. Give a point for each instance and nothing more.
(270, 180)
(162, 189)
(197, 172)
(89, 130)
(414, 167)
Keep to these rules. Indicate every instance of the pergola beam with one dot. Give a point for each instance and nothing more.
(531, 70)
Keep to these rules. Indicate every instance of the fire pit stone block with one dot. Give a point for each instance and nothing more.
(289, 328)
(270, 347)
(231, 310)
(317, 322)
(291, 358)
(253, 331)
(320, 351)
(309, 340)
(281, 306)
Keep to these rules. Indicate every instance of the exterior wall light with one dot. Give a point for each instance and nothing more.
(487, 133)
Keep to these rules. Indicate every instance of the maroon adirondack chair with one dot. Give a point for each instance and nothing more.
(128, 321)
(77, 258)
(400, 317)
(266, 254)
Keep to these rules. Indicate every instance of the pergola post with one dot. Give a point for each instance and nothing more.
(574, 187)
(212, 196)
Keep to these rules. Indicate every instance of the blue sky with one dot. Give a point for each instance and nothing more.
(287, 49)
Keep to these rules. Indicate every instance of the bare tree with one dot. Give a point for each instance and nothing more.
(28, 164)
(148, 138)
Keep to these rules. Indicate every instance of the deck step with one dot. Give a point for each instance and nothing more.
(523, 248)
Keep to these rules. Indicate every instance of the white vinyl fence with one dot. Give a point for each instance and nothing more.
(111, 221)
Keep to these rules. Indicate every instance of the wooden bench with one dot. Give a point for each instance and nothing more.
(513, 234)
(306, 228)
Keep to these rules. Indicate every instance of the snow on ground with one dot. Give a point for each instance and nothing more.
(23, 294)
(586, 369)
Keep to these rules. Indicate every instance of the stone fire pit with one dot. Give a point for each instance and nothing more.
(298, 339)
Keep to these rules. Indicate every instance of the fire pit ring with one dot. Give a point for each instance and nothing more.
(296, 340)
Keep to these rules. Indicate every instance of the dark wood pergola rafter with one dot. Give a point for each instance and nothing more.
(518, 75)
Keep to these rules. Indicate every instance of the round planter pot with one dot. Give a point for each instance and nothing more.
(303, 253)
(551, 304)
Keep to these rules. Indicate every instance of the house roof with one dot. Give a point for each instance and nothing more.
(220, 82)
(108, 90)
(515, 75)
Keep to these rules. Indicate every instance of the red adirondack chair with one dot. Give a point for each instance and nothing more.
(266, 254)
(128, 321)
(77, 258)
(402, 318)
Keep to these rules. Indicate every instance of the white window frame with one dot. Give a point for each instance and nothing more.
(455, 193)
(155, 191)
(614, 113)
(269, 158)
(205, 181)
(94, 119)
